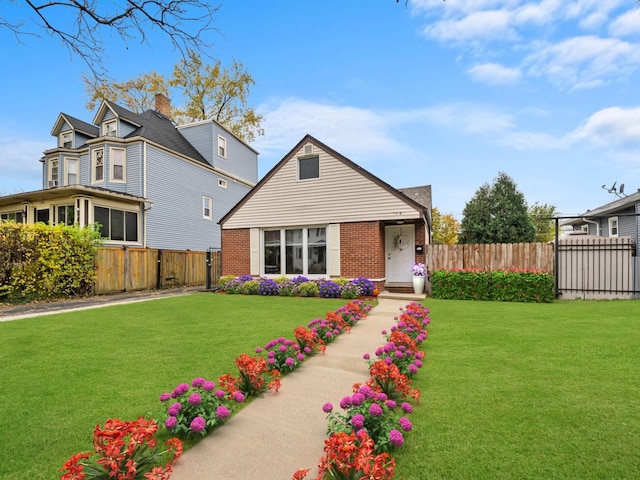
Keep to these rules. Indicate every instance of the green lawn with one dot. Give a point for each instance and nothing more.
(63, 374)
(509, 391)
(528, 391)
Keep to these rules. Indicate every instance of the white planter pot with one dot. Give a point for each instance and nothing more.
(418, 284)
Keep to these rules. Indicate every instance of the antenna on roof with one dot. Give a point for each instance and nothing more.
(612, 189)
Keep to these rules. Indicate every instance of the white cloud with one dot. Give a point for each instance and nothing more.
(469, 118)
(485, 25)
(591, 13)
(495, 74)
(532, 141)
(626, 24)
(19, 163)
(613, 127)
(541, 13)
(584, 62)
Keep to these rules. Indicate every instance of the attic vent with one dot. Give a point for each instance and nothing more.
(308, 149)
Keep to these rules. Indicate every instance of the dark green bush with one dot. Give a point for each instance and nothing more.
(499, 285)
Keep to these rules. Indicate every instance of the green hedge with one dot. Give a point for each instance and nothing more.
(499, 285)
(40, 261)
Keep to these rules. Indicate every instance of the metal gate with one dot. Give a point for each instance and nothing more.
(597, 268)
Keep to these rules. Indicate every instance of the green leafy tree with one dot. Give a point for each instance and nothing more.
(211, 91)
(445, 228)
(542, 219)
(497, 214)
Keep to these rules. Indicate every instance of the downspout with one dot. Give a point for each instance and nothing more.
(595, 223)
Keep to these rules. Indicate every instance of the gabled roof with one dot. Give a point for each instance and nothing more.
(78, 125)
(154, 127)
(617, 205)
(309, 139)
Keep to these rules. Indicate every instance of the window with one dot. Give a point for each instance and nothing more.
(110, 128)
(118, 164)
(54, 170)
(222, 147)
(66, 140)
(308, 168)
(584, 228)
(65, 215)
(17, 217)
(117, 225)
(304, 251)
(42, 215)
(613, 227)
(71, 171)
(207, 208)
(98, 165)
(222, 183)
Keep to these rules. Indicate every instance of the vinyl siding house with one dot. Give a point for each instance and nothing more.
(620, 218)
(146, 181)
(318, 214)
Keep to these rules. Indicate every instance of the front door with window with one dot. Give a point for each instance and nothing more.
(399, 250)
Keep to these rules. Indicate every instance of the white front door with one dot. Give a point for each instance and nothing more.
(399, 250)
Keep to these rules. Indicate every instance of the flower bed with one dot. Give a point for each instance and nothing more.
(374, 421)
(298, 286)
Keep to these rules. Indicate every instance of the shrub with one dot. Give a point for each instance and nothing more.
(309, 289)
(281, 279)
(224, 280)
(341, 281)
(350, 290)
(267, 287)
(329, 289)
(283, 355)
(299, 280)
(234, 286)
(288, 289)
(251, 287)
(245, 278)
(366, 285)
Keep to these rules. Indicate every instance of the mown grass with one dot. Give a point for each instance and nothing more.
(63, 374)
(527, 391)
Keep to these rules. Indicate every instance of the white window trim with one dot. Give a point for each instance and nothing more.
(204, 208)
(67, 161)
(617, 226)
(124, 165)
(584, 227)
(222, 183)
(222, 143)
(62, 135)
(94, 156)
(308, 157)
(53, 182)
(305, 248)
(107, 124)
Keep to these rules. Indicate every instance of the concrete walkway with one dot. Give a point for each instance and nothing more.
(273, 436)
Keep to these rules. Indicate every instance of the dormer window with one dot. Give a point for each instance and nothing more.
(110, 128)
(222, 146)
(66, 140)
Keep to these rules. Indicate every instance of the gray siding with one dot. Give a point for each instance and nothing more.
(176, 188)
(241, 161)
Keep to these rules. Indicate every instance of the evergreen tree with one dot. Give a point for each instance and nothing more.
(497, 214)
(542, 218)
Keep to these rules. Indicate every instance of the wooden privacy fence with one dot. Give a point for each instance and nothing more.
(491, 256)
(129, 269)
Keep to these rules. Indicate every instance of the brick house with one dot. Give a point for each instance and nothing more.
(318, 214)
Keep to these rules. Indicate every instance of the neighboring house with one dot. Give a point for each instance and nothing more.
(146, 181)
(620, 218)
(318, 214)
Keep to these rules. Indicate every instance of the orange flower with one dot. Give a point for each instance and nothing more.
(300, 474)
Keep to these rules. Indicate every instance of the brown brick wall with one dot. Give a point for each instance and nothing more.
(236, 252)
(362, 254)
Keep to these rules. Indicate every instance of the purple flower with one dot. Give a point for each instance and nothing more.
(181, 389)
(399, 354)
(384, 332)
(197, 382)
(388, 360)
(220, 393)
(258, 350)
(282, 348)
(194, 399)
(300, 357)
(357, 399)
(357, 421)
(413, 369)
(170, 422)
(327, 407)
(289, 362)
(406, 407)
(418, 363)
(271, 361)
(345, 403)
(366, 391)
(208, 385)
(174, 409)
(165, 396)
(198, 424)
(396, 438)
(271, 354)
(381, 397)
(238, 397)
(405, 424)
(391, 404)
(307, 350)
(366, 356)
(222, 412)
(375, 410)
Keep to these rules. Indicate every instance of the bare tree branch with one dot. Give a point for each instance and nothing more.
(81, 24)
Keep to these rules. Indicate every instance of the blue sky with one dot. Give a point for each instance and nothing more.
(442, 93)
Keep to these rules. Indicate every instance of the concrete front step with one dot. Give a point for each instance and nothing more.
(416, 297)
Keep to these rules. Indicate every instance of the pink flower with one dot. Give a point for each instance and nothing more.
(375, 410)
(194, 399)
(222, 412)
(327, 407)
(396, 438)
(165, 396)
(208, 385)
(406, 407)
(198, 424)
(174, 409)
(197, 382)
(405, 424)
(238, 397)
(357, 421)
(170, 422)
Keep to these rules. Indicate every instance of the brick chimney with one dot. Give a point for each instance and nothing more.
(163, 105)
